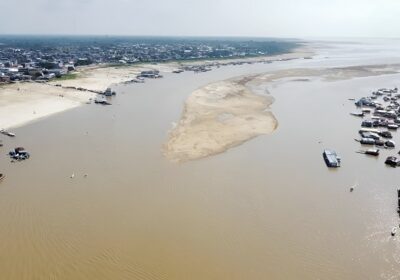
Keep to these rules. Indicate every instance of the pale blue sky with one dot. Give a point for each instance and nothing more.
(263, 18)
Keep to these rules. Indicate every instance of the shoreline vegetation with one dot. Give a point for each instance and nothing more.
(24, 102)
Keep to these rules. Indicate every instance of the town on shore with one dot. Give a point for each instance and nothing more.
(45, 58)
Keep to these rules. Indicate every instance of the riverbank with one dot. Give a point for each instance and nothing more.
(21, 103)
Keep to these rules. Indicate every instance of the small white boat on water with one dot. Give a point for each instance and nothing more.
(394, 231)
(357, 114)
(7, 133)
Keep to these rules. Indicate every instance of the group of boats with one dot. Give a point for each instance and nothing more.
(19, 154)
(384, 118)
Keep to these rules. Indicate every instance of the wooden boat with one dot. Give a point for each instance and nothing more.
(2, 176)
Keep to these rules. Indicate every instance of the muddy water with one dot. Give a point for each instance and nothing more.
(268, 209)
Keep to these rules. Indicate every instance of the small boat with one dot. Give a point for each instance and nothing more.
(353, 187)
(385, 134)
(371, 152)
(7, 133)
(390, 144)
(357, 114)
(102, 102)
(379, 143)
(392, 161)
(2, 176)
(394, 231)
(367, 141)
(331, 158)
(366, 111)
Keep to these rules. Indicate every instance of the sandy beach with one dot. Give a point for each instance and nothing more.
(21, 103)
(24, 102)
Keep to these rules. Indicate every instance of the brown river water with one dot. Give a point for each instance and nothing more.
(268, 209)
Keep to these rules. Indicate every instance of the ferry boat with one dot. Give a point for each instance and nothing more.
(331, 158)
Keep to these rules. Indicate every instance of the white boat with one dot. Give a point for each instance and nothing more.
(7, 133)
(357, 114)
(394, 231)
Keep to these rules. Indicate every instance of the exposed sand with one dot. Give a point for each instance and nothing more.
(33, 101)
(217, 117)
(24, 102)
(226, 114)
(21, 103)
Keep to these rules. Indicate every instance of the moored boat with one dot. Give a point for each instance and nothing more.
(357, 114)
(392, 161)
(331, 158)
(372, 152)
(390, 144)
